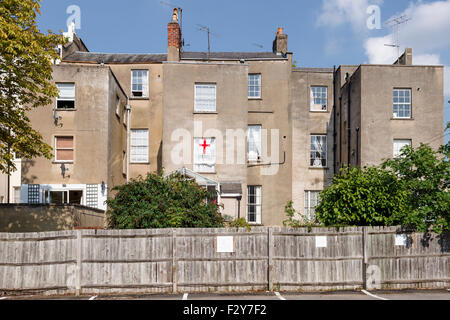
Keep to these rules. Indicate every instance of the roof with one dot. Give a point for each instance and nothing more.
(319, 70)
(125, 58)
(130, 58)
(231, 56)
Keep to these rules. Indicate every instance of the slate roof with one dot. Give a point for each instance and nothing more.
(126, 58)
(231, 56)
(320, 70)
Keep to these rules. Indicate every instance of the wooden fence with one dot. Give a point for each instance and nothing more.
(221, 260)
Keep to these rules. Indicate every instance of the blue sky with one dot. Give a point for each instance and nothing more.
(322, 33)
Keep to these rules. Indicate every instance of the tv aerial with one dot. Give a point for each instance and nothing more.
(395, 23)
(208, 31)
(258, 45)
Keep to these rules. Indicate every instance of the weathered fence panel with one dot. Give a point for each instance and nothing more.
(417, 260)
(320, 259)
(222, 260)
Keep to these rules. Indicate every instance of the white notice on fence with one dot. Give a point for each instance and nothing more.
(400, 239)
(321, 242)
(225, 244)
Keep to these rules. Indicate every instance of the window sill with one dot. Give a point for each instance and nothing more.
(256, 99)
(254, 224)
(62, 162)
(318, 111)
(144, 163)
(407, 119)
(139, 98)
(65, 109)
(205, 112)
(319, 168)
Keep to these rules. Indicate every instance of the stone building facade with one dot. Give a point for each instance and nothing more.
(247, 124)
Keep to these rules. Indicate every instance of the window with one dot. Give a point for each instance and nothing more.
(254, 85)
(205, 155)
(64, 149)
(117, 106)
(254, 142)
(92, 195)
(139, 83)
(311, 202)
(319, 99)
(318, 151)
(399, 145)
(139, 146)
(66, 98)
(124, 117)
(205, 98)
(402, 103)
(254, 204)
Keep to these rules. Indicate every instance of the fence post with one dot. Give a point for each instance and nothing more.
(270, 258)
(79, 248)
(174, 261)
(365, 260)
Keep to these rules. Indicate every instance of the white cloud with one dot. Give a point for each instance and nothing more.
(337, 12)
(426, 31)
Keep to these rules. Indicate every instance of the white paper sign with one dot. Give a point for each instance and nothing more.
(225, 244)
(321, 242)
(401, 239)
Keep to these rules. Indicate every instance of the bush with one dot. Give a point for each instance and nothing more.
(159, 202)
(426, 174)
(363, 197)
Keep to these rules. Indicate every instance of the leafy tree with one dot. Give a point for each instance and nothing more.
(159, 202)
(366, 196)
(426, 173)
(25, 79)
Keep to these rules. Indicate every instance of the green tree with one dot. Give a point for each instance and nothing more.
(366, 196)
(25, 79)
(426, 173)
(163, 202)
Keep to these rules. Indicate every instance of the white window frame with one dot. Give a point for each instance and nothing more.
(254, 86)
(65, 98)
(257, 205)
(56, 149)
(314, 97)
(208, 164)
(136, 144)
(211, 105)
(254, 143)
(310, 211)
(402, 143)
(405, 104)
(143, 82)
(313, 150)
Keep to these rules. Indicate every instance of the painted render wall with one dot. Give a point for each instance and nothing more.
(304, 124)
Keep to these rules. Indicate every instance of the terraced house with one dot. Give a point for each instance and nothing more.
(247, 124)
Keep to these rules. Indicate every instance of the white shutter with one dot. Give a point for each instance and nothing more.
(254, 143)
(205, 97)
(398, 145)
(66, 90)
(139, 146)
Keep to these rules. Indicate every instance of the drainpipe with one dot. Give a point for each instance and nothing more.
(349, 133)
(357, 146)
(128, 138)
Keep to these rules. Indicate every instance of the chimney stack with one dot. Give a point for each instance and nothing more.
(406, 58)
(280, 43)
(174, 38)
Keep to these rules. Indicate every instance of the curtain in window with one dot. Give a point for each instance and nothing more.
(254, 143)
(139, 146)
(318, 151)
(205, 97)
